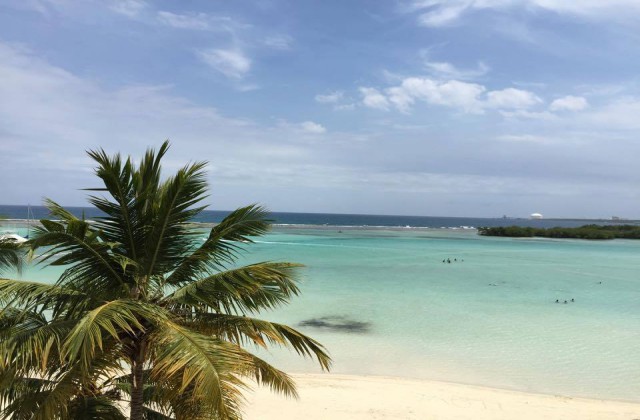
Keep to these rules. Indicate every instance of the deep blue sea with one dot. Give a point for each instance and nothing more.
(343, 220)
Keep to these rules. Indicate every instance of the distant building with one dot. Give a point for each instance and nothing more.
(535, 216)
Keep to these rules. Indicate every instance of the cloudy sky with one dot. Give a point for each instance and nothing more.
(424, 107)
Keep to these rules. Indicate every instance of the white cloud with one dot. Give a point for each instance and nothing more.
(201, 22)
(453, 93)
(449, 71)
(529, 115)
(620, 114)
(401, 98)
(438, 13)
(233, 63)
(465, 96)
(278, 42)
(592, 8)
(330, 98)
(196, 21)
(442, 16)
(372, 98)
(512, 98)
(339, 101)
(345, 107)
(305, 127)
(129, 8)
(313, 128)
(569, 103)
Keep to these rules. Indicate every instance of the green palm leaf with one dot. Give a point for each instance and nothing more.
(29, 293)
(251, 288)
(11, 255)
(223, 244)
(112, 319)
(242, 330)
(204, 364)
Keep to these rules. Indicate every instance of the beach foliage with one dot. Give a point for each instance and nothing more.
(150, 312)
(582, 232)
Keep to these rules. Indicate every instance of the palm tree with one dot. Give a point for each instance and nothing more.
(143, 313)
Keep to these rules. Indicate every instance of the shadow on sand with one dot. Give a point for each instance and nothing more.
(337, 323)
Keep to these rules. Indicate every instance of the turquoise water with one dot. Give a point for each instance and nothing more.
(490, 320)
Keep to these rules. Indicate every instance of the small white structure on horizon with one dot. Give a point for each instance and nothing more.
(535, 216)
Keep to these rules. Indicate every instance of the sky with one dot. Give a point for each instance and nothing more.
(415, 107)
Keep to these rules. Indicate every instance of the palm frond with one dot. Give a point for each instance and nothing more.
(251, 288)
(30, 293)
(30, 341)
(59, 212)
(95, 407)
(109, 320)
(204, 365)
(169, 238)
(223, 244)
(150, 414)
(11, 255)
(243, 330)
(122, 223)
(278, 381)
(77, 245)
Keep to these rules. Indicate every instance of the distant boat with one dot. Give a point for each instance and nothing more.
(12, 237)
(535, 216)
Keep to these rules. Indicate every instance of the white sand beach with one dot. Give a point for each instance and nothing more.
(336, 397)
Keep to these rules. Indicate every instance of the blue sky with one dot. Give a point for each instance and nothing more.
(425, 107)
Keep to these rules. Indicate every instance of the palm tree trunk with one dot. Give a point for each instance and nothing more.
(137, 384)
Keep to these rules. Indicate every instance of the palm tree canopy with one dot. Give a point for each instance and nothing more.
(144, 313)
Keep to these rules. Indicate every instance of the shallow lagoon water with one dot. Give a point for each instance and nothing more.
(490, 320)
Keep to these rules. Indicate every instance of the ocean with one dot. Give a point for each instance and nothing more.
(384, 303)
(343, 220)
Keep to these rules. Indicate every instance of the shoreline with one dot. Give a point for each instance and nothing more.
(338, 396)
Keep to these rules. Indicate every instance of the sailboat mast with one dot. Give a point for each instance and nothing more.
(28, 220)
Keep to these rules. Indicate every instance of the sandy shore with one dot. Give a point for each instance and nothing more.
(337, 397)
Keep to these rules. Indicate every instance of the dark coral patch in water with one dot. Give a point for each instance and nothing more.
(337, 323)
